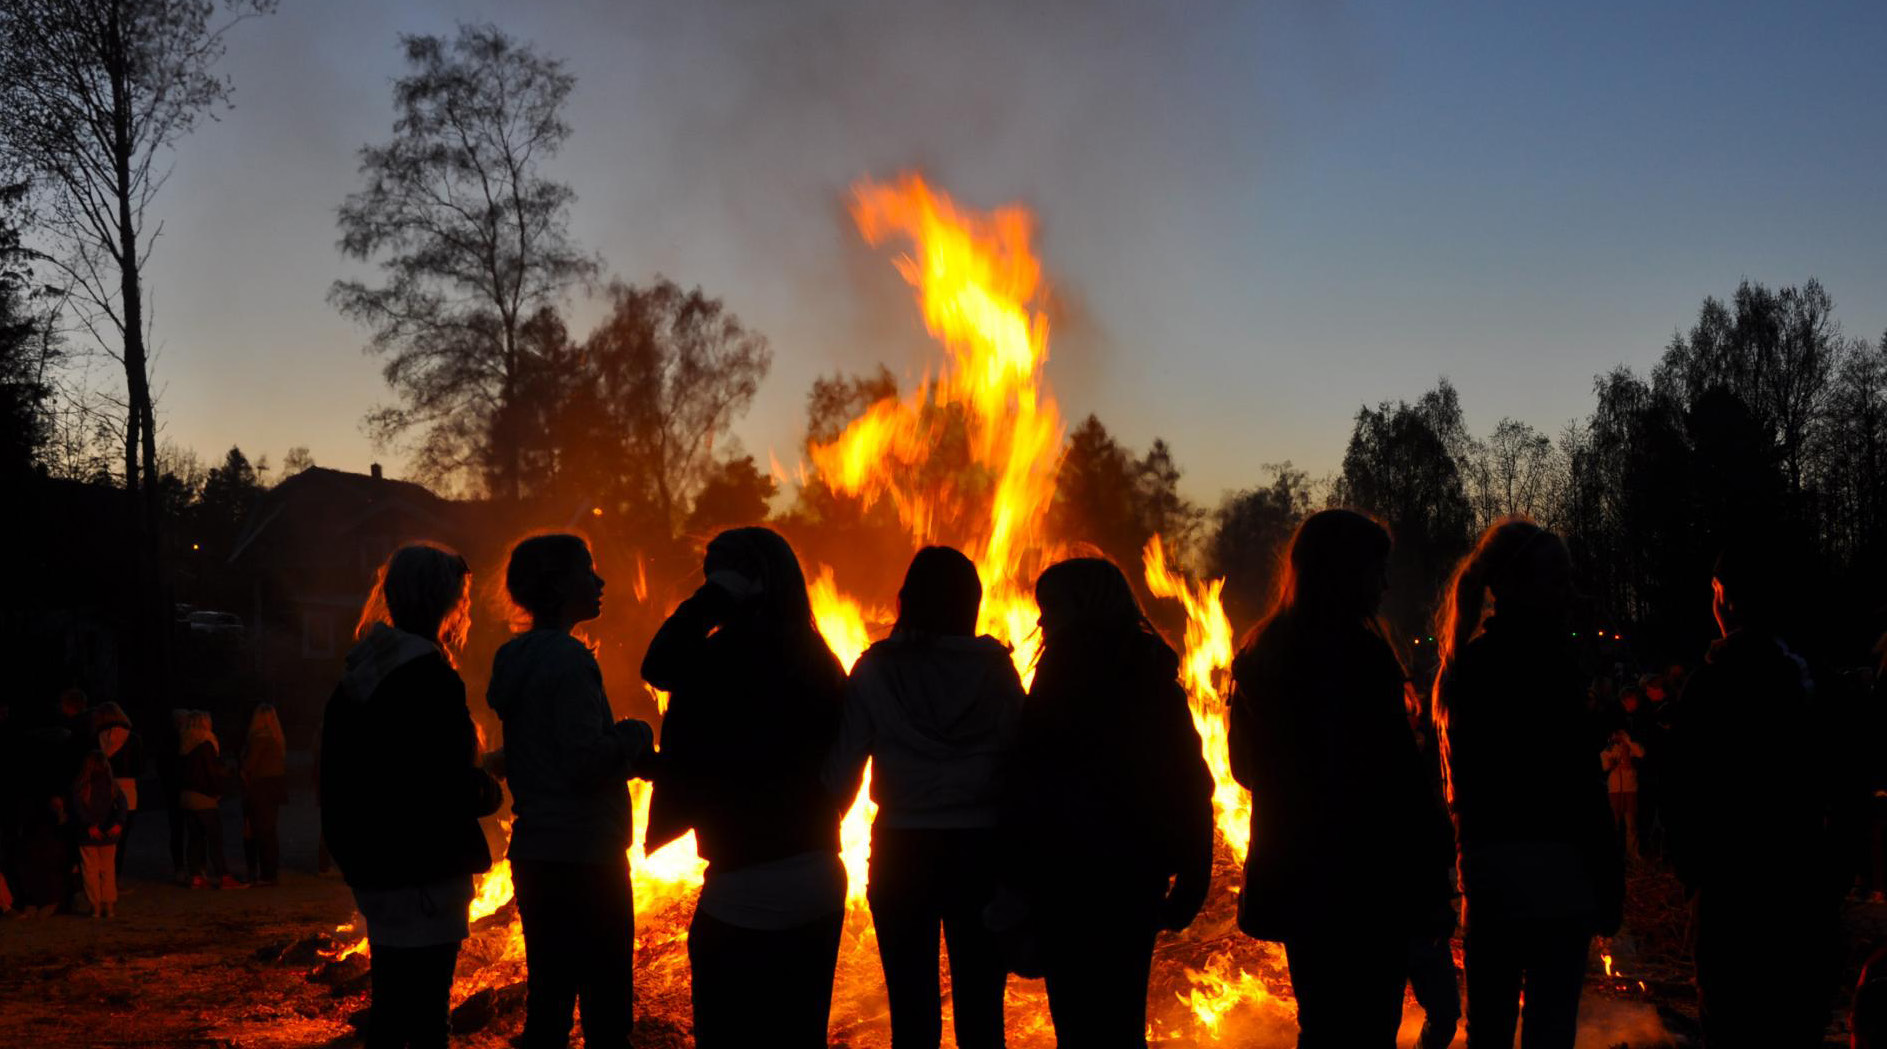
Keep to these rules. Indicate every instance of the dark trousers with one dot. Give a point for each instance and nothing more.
(1097, 956)
(921, 879)
(124, 843)
(1764, 968)
(1544, 959)
(262, 839)
(1436, 984)
(412, 994)
(579, 937)
(1348, 984)
(762, 986)
(179, 821)
(206, 843)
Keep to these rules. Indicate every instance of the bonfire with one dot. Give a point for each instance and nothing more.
(981, 292)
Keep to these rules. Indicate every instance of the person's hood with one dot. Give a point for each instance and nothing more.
(196, 737)
(378, 655)
(943, 685)
(528, 658)
(109, 715)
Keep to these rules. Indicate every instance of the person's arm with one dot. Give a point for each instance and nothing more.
(679, 649)
(845, 766)
(591, 747)
(1192, 789)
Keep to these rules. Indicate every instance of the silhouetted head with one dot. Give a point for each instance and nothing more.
(1526, 568)
(1746, 587)
(1337, 569)
(423, 589)
(1631, 699)
(1087, 596)
(72, 702)
(765, 560)
(941, 594)
(553, 579)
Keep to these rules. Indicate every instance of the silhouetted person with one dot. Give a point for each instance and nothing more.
(123, 746)
(1111, 820)
(1539, 856)
(264, 792)
(170, 767)
(96, 812)
(401, 790)
(934, 708)
(1747, 808)
(568, 762)
(753, 714)
(1349, 846)
(206, 779)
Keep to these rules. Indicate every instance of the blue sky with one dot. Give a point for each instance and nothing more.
(1257, 216)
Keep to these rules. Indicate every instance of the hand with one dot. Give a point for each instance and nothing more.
(494, 763)
(638, 736)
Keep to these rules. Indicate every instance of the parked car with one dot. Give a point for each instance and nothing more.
(215, 624)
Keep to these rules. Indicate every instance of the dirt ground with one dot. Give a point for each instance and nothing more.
(182, 968)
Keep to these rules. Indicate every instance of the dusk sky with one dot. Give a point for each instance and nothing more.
(1258, 216)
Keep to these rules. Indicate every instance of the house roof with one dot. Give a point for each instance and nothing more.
(355, 498)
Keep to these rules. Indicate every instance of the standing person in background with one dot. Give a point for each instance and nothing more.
(753, 714)
(1620, 759)
(205, 780)
(1539, 856)
(97, 809)
(402, 790)
(568, 762)
(264, 792)
(170, 768)
(1111, 820)
(934, 709)
(1749, 804)
(124, 747)
(1350, 848)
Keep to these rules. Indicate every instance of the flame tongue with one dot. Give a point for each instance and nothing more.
(979, 285)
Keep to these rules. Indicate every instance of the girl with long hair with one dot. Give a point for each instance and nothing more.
(568, 761)
(1111, 821)
(402, 789)
(754, 707)
(98, 815)
(933, 707)
(1540, 864)
(1349, 844)
(205, 780)
(264, 792)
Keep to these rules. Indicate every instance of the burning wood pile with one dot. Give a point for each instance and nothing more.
(981, 292)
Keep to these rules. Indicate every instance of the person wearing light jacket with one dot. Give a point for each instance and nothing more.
(401, 790)
(934, 708)
(568, 762)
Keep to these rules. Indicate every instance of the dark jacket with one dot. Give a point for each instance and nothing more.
(753, 713)
(1346, 830)
(1750, 783)
(204, 771)
(401, 788)
(1110, 777)
(567, 760)
(1526, 781)
(936, 717)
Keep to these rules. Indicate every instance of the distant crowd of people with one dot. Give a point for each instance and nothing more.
(1058, 831)
(69, 798)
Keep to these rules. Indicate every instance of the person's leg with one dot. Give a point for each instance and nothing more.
(1492, 968)
(178, 821)
(1437, 988)
(553, 938)
(89, 877)
(717, 985)
(605, 986)
(389, 1005)
(211, 821)
(429, 1021)
(977, 975)
(251, 858)
(268, 834)
(1556, 954)
(196, 850)
(1631, 825)
(108, 877)
(124, 844)
(906, 921)
(804, 961)
(1098, 970)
